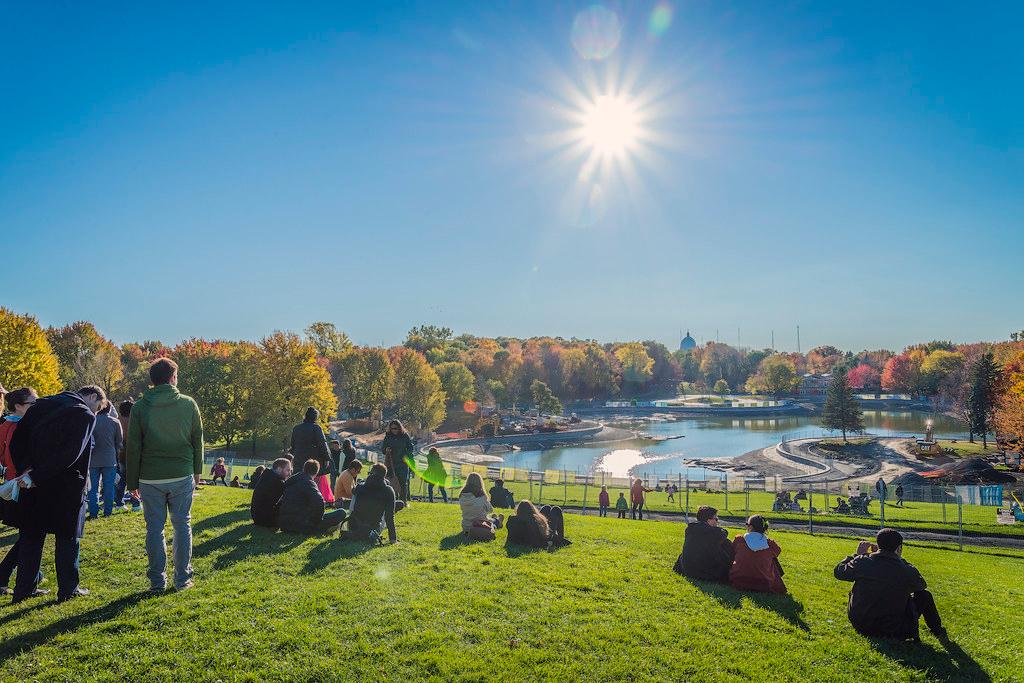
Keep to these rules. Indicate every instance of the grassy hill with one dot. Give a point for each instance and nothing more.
(273, 606)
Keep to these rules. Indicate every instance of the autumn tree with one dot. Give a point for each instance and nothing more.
(363, 379)
(26, 357)
(721, 387)
(841, 411)
(637, 364)
(457, 382)
(822, 359)
(936, 367)
(204, 373)
(902, 373)
(775, 375)
(85, 356)
(418, 394)
(721, 361)
(326, 339)
(135, 361)
(864, 376)
(427, 337)
(292, 379)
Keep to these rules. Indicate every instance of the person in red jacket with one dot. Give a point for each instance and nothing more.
(636, 497)
(603, 501)
(756, 565)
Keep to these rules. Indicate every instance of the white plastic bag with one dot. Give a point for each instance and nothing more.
(9, 490)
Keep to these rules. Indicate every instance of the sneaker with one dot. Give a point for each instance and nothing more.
(77, 593)
(157, 590)
(185, 586)
(4, 590)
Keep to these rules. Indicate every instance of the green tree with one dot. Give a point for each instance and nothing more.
(86, 356)
(936, 367)
(291, 380)
(26, 357)
(721, 387)
(498, 391)
(135, 361)
(418, 392)
(204, 373)
(457, 381)
(841, 411)
(363, 379)
(775, 375)
(427, 337)
(983, 397)
(544, 400)
(327, 340)
(637, 364)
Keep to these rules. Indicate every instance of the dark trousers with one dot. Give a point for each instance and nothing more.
(925, 604)
(556, 522)
(30, 557)
(622, 514)
(222, 480)
(10, 563)
(603, 511)
(332, 519)
(430, 493)
(638, 511)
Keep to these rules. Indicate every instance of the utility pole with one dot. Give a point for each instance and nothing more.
(798, 339)
(773, 340)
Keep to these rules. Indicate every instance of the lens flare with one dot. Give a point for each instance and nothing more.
(610, 125)
(660, 19)
(596, 32)
(470, 406)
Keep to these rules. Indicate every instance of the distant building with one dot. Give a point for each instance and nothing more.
(688, 343)
(814, 385)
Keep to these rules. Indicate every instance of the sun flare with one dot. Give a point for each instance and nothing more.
(610, 125)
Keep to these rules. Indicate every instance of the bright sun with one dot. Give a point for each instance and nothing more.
(610, 125)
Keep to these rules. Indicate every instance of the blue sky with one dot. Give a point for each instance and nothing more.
(226, 171)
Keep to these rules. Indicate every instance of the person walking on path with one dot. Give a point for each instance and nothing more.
(18, 402)
(51, 449)
(756, 565)
(397, 448)
(165, 464)
(889, 594)
(899, 495)
(603, 502)
(107, 442)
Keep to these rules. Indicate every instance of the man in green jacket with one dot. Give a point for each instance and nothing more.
(164, 461)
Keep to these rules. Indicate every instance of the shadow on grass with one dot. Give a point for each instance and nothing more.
(331, 550)
(222, 520)
(513, 550)
(781, 604)
(244, 542)
(24, 642)
(456, 540)
(951, 663)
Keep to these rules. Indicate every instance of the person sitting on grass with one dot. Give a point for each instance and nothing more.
(622, 505)
(235, 483)
(501, 497)
(889, 594)
(842, 507)
(373, 508)
(266, 498)
(302, 506)
(603, 502)
(254, 480)
(756, 560)
(537, 528)
(218, 471)
(346, 484)
(707, 553)
(477, 521)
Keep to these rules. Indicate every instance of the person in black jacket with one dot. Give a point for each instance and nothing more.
(397, 448)
(52, 445)
(310, 443)
(373, 508)
(537, 528)
(888, 595)
(349, 452)
(335, 447)
(266, 498)
(302, 507)
(501, 497)
(707, 553)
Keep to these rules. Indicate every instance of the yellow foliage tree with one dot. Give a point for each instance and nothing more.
(291, 379)
(26, 357)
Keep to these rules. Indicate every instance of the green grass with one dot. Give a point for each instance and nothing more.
(977, 519)
(274, 606)
(966, 449)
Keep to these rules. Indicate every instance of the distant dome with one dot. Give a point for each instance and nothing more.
(688, 343)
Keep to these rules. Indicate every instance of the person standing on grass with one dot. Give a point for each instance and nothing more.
(889, 594)
(165, 465)
(108, 440)
(309, 442)
(435, 475)
(899, 495)
(124, 411)
(302, 507)
(477, 521)
(397, 448)
(603, 502)
(17, 402)
(346, 484)
(266, 498)
(636, 497)
(707, 553)
(336, 459)
(621, 505)
(51, 449)
(373, 508)
(756, 565)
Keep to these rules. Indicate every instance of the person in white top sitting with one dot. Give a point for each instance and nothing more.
(478, 522)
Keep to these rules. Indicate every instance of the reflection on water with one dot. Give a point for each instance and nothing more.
(711, 437)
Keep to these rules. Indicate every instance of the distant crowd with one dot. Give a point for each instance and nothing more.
(150, 454)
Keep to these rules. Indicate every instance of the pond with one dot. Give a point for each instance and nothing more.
(713, 437)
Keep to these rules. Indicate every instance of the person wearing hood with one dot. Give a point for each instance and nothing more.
(310, 443)
(302, 506)
(17, 402)
(756, 565)
(266, 497)
(51, 449)
(107, 442)
(707, 553)
(397, 448)
(435, 475)
(165, 464)
(373, 508)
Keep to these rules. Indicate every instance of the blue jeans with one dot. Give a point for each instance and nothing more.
(430, 493)
(157, 501)
(30, 557)
(109, 487)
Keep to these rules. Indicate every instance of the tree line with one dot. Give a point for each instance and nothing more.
(254, 390)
